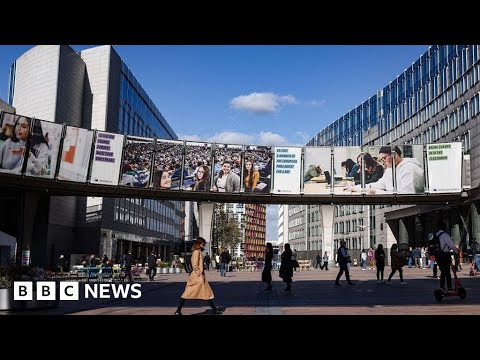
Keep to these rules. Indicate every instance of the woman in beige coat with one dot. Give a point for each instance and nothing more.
(197, 287)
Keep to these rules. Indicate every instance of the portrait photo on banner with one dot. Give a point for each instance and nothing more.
(227, 168)
(167, 159)
(347, 169)
(317, 172)
(44, 148)
(137, 162)
(76, 151)
(14, 133)
(257, 169)
(198, 166)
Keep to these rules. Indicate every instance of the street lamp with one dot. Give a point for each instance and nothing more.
(362, 227)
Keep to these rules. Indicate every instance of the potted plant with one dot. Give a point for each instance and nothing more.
(11, 273)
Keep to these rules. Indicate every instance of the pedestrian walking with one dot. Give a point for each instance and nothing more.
(197, 287)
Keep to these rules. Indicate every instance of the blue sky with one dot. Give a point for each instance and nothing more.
(260, 95)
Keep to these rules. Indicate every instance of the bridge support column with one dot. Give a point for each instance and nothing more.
(402, 235)
(33, 209)
(327, 212)
(205, 217)
(475, 212)
(455, 229)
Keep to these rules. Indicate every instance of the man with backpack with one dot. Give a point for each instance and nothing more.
(443, 256)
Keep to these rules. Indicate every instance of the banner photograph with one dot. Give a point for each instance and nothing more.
(32, 147)
(227, 168)
(257, 169)
(137, 162)
(107, 158)
(347, 170)
(317, 170)
(44, 148)
(76, 151)
(287, 170)
(198, 162)
(14, 133)
(444, 162)
(168, 156)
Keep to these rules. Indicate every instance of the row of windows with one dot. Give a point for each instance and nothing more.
(468, 110)
(341, 210)
(431, 75)
(150, 214)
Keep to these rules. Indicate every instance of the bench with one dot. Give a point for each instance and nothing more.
(304, 264)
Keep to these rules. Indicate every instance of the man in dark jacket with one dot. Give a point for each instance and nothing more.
(152, 266)
(127, 261)
(343, 259)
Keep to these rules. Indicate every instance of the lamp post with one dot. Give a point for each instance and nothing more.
(362, 227)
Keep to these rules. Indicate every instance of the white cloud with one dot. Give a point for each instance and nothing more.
(269, 138)
(261, 103)
(190, 137)
(303, 136)
(319, 103)
(232, 137)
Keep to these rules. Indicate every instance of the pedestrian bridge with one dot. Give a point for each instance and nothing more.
(39, 155)
(58, 188)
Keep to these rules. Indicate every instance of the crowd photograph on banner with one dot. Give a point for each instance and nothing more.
(227, 168)
(76, 151)
(198, 166)
(317, 172)
(347, 169)
(137, 162)
(257, 169)
(14, 134)
(167, 164)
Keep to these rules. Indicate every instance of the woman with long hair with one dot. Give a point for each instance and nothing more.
(203, 179)
(197, 287)
(251, 176)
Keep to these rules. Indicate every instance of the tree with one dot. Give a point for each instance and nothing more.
(226, 229)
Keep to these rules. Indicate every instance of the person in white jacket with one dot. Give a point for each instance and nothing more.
(409, 174)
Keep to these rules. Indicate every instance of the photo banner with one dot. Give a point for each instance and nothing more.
(347, 170)
(168, 160)
(409, 169)
(44, 148)
(137, 162)
(227, 168)
(317, 176)
(444, 163)
(287, 170)
(107, 158)
(257, 169)
(14, 132)
(77, 147)
(198, 163)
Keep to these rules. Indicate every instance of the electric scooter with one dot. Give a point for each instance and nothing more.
(458, 291)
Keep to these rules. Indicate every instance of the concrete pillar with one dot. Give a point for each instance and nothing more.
(33, 210)
(402, 235)
(419, 240)
(327, 212)
(205, 218)
(475, 211)
(455, 230)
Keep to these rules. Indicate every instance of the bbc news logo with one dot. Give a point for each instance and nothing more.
(69, 290)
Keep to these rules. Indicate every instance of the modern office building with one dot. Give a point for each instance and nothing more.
(436, 99)
(95, 89)
(255, 230)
